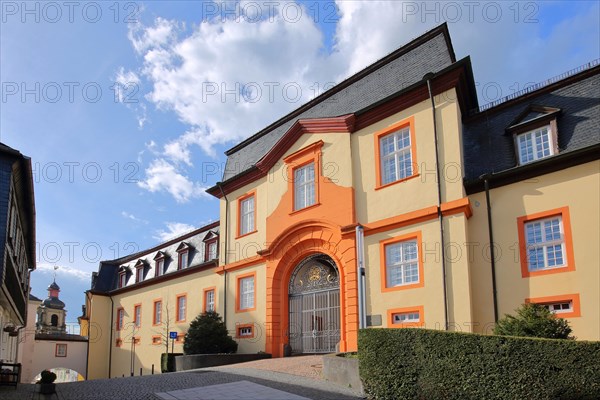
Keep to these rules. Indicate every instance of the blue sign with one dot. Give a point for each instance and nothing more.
(172, 335)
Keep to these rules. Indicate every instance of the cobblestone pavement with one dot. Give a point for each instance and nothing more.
(308, 366)
(146, 387)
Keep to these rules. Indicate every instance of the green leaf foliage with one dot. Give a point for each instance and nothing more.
(534, 320)
(208, 335)
(428, 364)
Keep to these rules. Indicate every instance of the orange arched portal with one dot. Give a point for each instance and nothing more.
(292, 246)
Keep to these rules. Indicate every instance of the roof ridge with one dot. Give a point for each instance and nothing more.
(419, 40)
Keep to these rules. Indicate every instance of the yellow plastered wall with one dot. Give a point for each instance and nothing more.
(420, 191)
(543, 193)
(99, 336)
(255, 317)
(147, 353)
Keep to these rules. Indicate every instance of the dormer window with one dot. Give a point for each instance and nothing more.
(140, 271)
(183, 259)
(535, 145)
(211, 246)
(122, 278)
(535, 134)
(159, 263)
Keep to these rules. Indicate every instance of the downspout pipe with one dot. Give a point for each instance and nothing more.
(360, 265)
(486, 184)
(87, 353)
(112, 321)
(225, 249)
(428, 78)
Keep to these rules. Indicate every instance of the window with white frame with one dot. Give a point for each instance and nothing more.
(535, 145)
(137, 316)
(304, 186)
(181, 304)
(247, 215)
(139, 274)
(122, 279)
(120, 318)
(61, 350)
(406, 318)
(245, 331)
(212, 250)
(157, 312)
(246, 293)
(160, 266)
(395, 156)
(402, 263)
(545, 243)
(560, 307)
(210, 300)
(183, 259)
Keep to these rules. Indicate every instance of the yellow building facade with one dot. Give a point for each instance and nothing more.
(376, 205)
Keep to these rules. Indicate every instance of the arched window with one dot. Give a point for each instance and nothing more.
(54, 320)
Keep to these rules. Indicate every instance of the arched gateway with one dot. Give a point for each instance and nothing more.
(314, 306)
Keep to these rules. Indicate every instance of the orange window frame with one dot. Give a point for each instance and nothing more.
(383, 261)
(120, 321)
(154, 323)
(410, 122)
(563, 212)
(135, 315)
(239, 328)
(178, 318)
(118, 342)
(137, 340)
(238, 297)
(307, 155)
(564, 298)
(156, 340)
(180, 338)
(204, 293)
(406, 310)
(240, 199)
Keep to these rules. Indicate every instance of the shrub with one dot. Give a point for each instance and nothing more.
(167, 362)
(534, 320)
(208, 335)
(427, 364)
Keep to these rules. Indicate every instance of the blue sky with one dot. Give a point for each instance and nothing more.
(126, 108)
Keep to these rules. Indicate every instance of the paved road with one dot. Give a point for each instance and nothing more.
(215, 383)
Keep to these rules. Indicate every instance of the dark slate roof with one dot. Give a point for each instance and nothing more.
(431, 52)
(489, 149)
(54, 286)
(33, 298)
(53, 302)
(64, 337)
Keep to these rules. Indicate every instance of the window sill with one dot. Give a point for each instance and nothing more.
(548, 271)
(305, 208)
(403, 287)
(245, 234)
(244, 310)
(398, 181)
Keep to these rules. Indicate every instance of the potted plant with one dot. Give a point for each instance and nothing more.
(46, 382)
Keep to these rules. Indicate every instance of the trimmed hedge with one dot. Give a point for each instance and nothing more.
(167, 362)
(427, 364)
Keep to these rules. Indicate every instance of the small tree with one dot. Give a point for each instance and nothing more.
(534, 320)
(208, 335)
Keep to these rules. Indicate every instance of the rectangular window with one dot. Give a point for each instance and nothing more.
(406, 317)
(157, 312)
(183, 260)
(139, 274)
(122, 279)
(535, 145)
(120, 318)
(209, 300)
(181, 304)
(247, 215)
(246, 293)
(212, 251)
(402, 263)
(395, 156)
(180, 338)
(156, 340)
(304, 186)
(160, 266)
(119, 342)
(137, 315)
(245, 331)
(545, 244)
(564, 306)
(61, 350)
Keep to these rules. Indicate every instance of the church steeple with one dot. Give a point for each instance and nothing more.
(52, 313)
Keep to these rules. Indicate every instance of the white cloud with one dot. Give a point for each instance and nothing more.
(162, 176)
(64, 270)
(133, 218)
(173, 230)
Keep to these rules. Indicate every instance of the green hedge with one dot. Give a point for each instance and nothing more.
(427, 364)
(167, 362)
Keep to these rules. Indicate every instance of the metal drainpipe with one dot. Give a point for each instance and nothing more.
(360, 257)
(486, 185)
(112, 316)
(87, 353)
(439, 190)
(220, 185)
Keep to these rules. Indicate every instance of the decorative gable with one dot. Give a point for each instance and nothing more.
(532, 117)
(184, 247)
